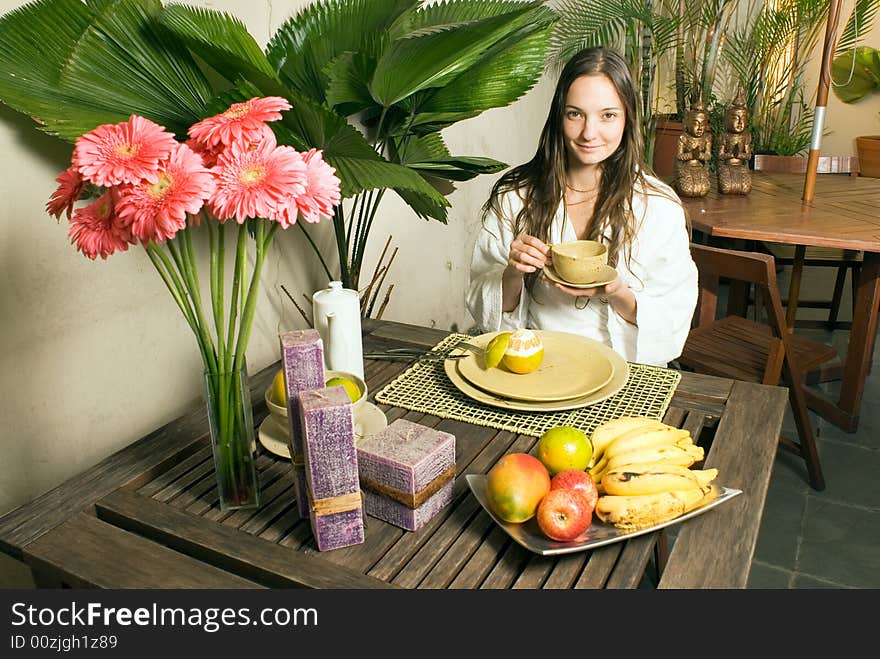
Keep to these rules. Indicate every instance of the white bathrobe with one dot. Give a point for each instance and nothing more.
(663, 279)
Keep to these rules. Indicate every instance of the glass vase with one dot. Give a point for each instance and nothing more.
(232, 439)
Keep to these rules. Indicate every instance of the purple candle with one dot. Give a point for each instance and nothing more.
(331, 467)
(405, 456)
(302, 358)
(399, 514)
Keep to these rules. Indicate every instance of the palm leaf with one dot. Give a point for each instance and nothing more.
(495, 81)
(359, 174)
(310, 40)
(222, 41)
(429, 156)
(858, 25)
(126, 62)
(347, 89)
(35, 42)
(433, 59)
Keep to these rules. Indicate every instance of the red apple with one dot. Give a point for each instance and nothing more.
(564, 514)
(576, 479)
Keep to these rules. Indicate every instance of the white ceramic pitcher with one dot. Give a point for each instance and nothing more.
(336, 314)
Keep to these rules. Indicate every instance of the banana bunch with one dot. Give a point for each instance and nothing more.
(641, 468)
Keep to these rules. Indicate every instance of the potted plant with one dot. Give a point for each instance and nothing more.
(769, 54)
(371, 83)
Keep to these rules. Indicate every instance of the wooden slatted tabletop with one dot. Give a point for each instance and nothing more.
(158, 498)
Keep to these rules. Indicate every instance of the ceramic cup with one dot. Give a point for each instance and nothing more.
(579, 261)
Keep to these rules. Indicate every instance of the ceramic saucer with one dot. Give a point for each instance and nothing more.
(273, 435)
(606, 276)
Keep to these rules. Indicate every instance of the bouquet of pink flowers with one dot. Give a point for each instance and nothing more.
(149, 189)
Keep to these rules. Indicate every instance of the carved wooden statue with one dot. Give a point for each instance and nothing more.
(694, 154)
(735, 150)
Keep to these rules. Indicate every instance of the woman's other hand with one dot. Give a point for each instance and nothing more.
(616, 293)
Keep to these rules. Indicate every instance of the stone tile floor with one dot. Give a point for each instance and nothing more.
(808, 539)
(828, 539)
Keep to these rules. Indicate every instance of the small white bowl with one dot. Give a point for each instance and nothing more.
(280, 411)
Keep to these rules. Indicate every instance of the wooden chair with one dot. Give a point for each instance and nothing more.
(815, 257)
(749, 350)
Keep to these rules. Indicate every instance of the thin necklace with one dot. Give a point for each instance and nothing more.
(578, 203)
(571, 187)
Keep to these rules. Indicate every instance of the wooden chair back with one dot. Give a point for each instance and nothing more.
(751, 350)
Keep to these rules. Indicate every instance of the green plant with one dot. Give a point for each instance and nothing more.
(855, 70)
(702, 26)
(372, 84)
(769, 54)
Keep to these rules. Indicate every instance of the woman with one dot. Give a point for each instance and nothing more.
(587, 180)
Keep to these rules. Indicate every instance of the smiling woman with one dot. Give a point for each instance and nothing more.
(588, 181)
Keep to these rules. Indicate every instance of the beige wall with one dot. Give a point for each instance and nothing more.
(95, 355)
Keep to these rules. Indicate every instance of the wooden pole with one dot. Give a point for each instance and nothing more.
(821, 100)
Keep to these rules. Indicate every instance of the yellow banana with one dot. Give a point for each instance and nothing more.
(639, 438)
(607, 432)
(684, 456)
(636, 512)
(655, 477)
(598, 469)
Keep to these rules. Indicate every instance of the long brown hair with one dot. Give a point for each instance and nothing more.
(540, 181)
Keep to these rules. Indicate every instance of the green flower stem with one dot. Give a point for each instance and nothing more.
(163, 268)
(316, 250)
(217, 255)
(186, 264)
(240, 258)
(263, 241)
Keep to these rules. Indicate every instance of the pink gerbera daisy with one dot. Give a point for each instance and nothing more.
(256, 181)
(157, 211)
(240, 122)
(97, 231)
(69, 190)
(322, 190)
(123, 153)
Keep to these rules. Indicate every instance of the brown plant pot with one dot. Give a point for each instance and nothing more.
(868, 147)
(666, 146)
(772, 163)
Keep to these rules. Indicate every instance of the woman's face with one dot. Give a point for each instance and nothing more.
(593, 120)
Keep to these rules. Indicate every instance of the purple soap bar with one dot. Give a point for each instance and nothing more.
(302, 359)
(405, 456)
(411, 519)
(331, 467)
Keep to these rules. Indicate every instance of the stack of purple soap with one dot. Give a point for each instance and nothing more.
(335, 509)
(407, 473)
(302, 359)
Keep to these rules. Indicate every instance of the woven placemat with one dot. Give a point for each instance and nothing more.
(425, 387)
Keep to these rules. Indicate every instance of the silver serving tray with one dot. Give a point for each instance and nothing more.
(530, 536)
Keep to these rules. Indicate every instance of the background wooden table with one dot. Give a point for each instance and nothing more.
(842, 215)
(147, 516)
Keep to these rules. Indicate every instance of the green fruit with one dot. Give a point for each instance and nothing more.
(496, 348)
(351, 388)
(564, 447)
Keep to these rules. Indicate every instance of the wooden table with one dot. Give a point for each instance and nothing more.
(843, 215)
(147, 516)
